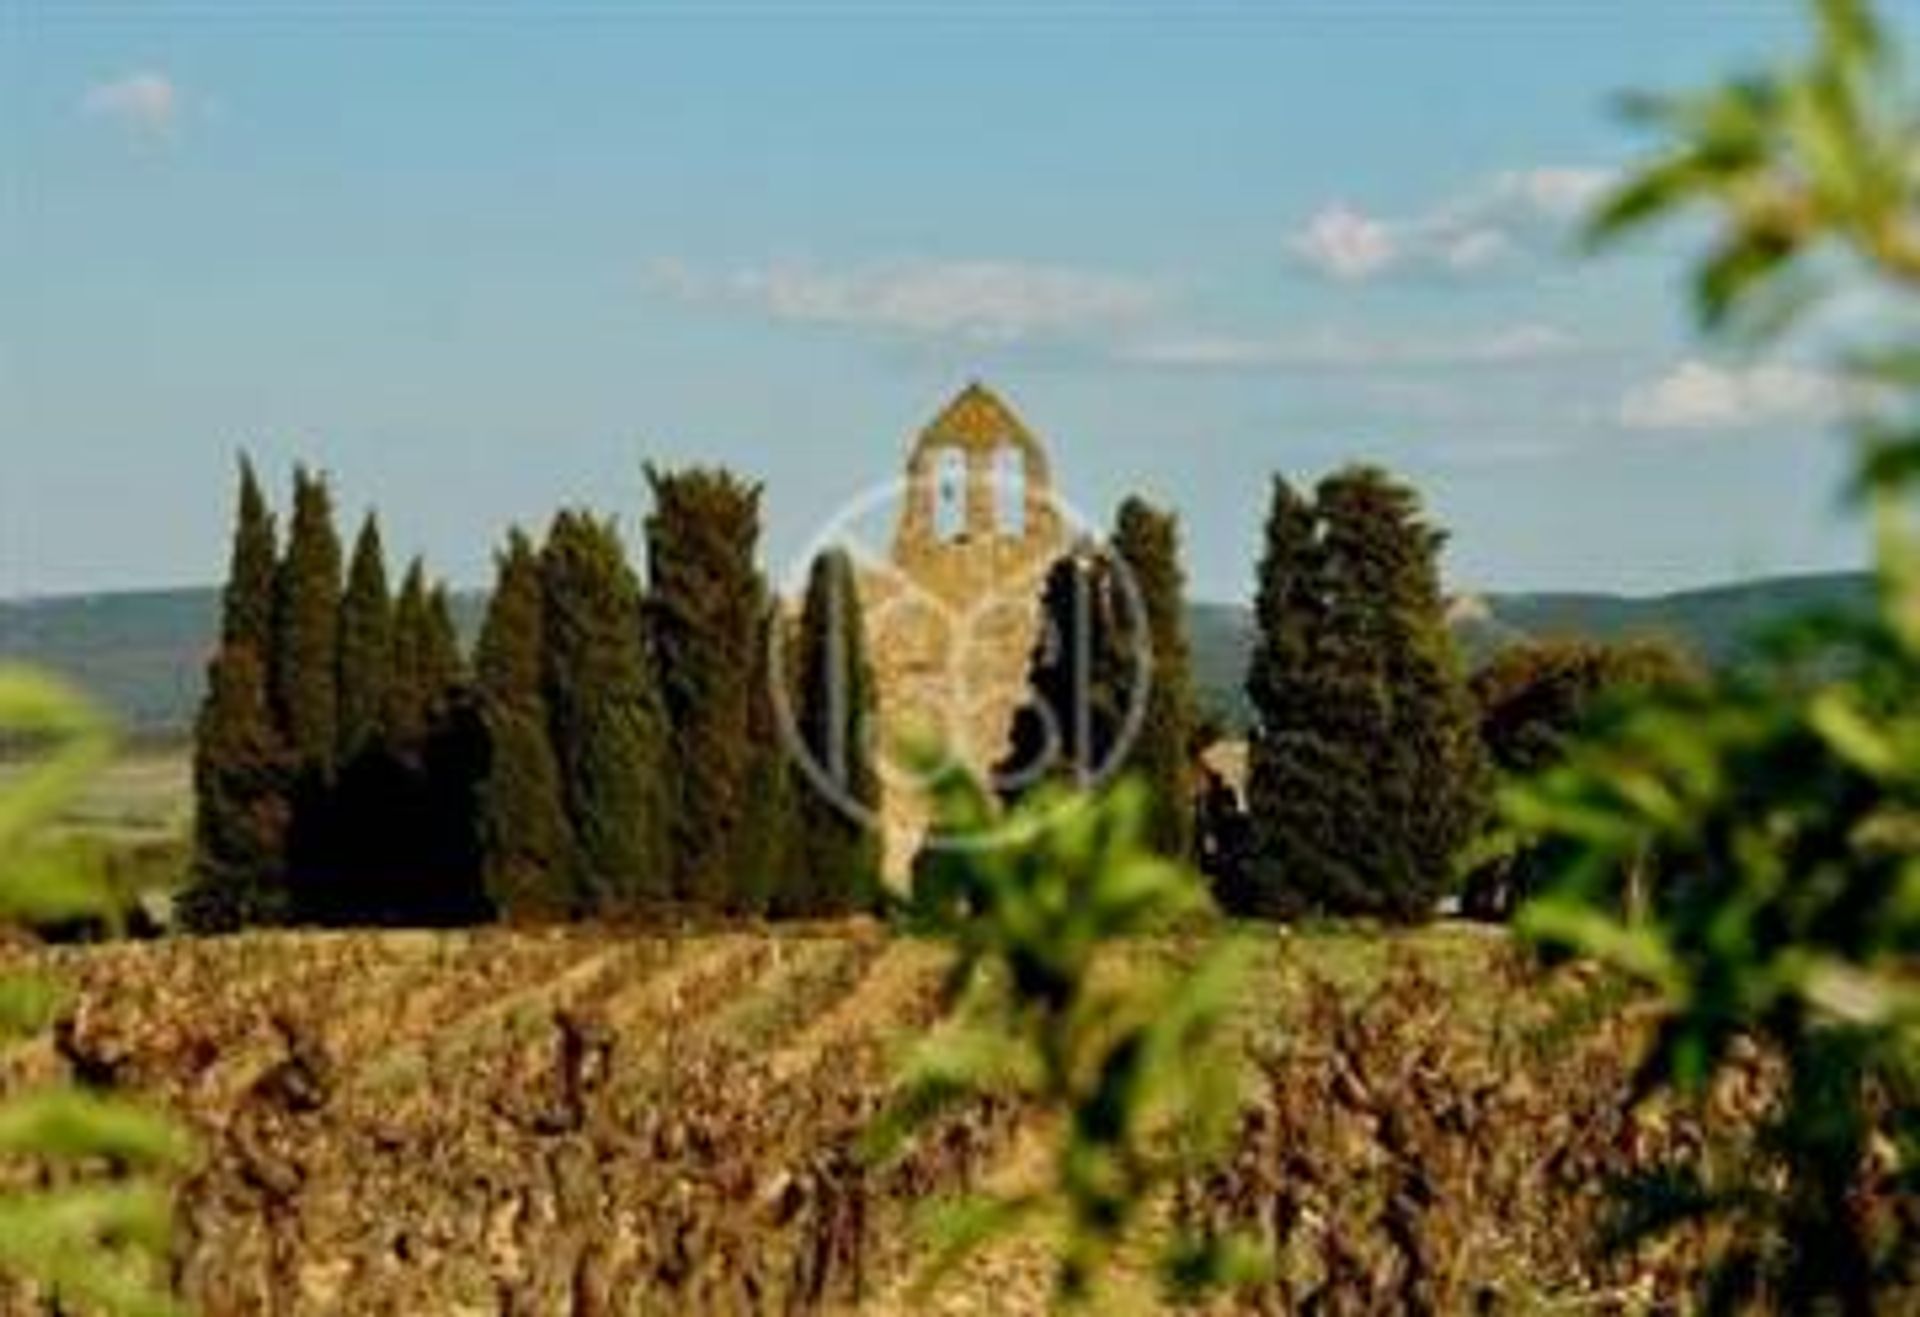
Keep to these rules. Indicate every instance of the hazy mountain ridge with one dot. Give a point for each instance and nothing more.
(142, 652)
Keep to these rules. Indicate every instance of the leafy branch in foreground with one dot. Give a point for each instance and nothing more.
(1072, 995)
(86, 1240)
(1783, 805)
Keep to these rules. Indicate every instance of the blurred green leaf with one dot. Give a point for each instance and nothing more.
(1063, 1002)
(67, 1124)
(95, 1243)
(27, 1005)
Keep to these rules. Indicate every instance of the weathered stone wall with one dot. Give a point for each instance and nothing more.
(951, 620)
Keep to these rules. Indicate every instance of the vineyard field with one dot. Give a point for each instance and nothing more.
(594, 1121)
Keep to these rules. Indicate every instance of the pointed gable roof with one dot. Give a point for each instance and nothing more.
(977, 418)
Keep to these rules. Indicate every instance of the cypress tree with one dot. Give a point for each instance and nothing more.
(1298, 770)
(242, 811)
(443, 668)
(704, 604)
(836, 851)
(1069, 725)
(608, 727)
(365, 673)
(525, 839)
(1367, 776)
(242, 791)
(246, 614)
(410, 694)
(1146, 543)
(305, 630)
(451, 765)
(1428, 763)
(767, 847)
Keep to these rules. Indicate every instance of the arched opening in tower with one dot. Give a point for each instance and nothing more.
(1010, 490)
(950, 495)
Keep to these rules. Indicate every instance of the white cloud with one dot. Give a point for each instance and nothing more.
(1330, 350)
(1346, 244)
(982, 300)
(1488, 225)
(1476, 249)
(1118, 317)
(1698, 395)
(1556, 191)
(145, 101)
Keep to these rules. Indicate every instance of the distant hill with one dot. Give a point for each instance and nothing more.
(1717, 624)
(142, 652)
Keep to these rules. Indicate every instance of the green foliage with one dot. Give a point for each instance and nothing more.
(1367, 778)
(1798, 164)
(1292, 764)
(242, 771)
(526, 840)
(767, 853)
(704, 607)
(1128, 1062)
(427, 663)
(1786, 803)
(365, 645)
(374, 821)
(81, 1239)
(835, 857)
(1146, 542)
(1533, 697)
(410, 693)
(242, 810)
(302, 671)
(1533, 700)
(608, 727)
(1786, 818)
(246, 613)
(442, 666)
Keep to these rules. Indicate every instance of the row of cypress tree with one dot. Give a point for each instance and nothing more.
(637, 759)
(335, 742)
(615, 747)
(1367, 772)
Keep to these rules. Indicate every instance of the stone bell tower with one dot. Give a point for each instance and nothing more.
(952, 617)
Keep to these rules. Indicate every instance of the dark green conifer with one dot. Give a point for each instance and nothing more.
(443, 668)
(1367, 774)
(704, 604)
(1293, 768)
(766, 850)
(836, 847)
(410, 693)
(525, 839)
(608, 727)
(242, 787)
(302, 670)
(1387, 612)
(241, 805)
(366, 645)
(1146, 543)
(246, 613)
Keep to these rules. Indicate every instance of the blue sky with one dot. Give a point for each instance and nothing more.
(480, 259)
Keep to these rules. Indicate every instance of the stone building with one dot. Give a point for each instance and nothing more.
(953, 612)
